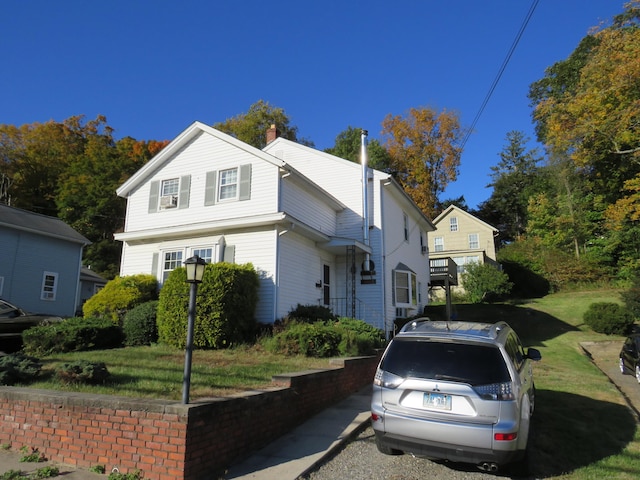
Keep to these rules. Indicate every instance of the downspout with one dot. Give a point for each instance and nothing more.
(365, 197)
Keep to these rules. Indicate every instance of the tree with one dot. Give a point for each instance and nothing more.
(424, 150)
(251, 127)
(484, 282)
(348, 146)
(514, 179)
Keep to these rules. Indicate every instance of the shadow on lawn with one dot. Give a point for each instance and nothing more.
(572, 431)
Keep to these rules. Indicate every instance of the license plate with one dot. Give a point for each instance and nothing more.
(438, 401)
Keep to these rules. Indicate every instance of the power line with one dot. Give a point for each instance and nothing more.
(525, 22)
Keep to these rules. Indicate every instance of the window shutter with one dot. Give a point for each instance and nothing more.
(229, 253)
(154, 265)
(185, 186)
(245, 182)
(210, 189)
(153, 196)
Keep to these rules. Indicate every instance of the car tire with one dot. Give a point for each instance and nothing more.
(386, 449)
(623, 370)
(638, 373)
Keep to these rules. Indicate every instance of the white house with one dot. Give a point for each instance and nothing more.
(40, 262)
(300, 216)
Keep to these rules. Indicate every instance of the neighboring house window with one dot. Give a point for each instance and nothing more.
(462, 261)
(438, 244)
(406, 288)
(204, 253)
(453, 224)
(172, 260)
(228, 184)
(474, 241)
(406, 226)
(49, 286)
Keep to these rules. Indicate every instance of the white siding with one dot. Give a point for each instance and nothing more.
(306, 208)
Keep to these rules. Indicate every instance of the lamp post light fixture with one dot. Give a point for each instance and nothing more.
(195, 270)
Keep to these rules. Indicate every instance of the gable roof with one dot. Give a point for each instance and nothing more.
(453, 209)
(386, 178)
(31, 222)
(196, 129)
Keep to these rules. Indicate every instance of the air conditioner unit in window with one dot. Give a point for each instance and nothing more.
(168, 201)
(424, 249)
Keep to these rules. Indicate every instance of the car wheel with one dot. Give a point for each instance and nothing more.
(622, 369)
(386, 449)
(638, 373)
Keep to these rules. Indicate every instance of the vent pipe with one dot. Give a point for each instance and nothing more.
(365, 196)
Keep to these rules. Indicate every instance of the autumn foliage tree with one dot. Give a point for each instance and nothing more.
(425, 153)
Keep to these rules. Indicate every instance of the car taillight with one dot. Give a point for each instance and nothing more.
(505, 437)
(386, 379)
(496, 391)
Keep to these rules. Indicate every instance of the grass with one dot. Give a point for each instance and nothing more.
(582, 428)
(157, 371)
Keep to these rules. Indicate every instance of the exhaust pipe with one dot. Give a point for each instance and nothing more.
(488, 467)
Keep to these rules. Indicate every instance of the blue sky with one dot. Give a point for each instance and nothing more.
(154, 67)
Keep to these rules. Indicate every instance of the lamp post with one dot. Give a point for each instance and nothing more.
(195, 270)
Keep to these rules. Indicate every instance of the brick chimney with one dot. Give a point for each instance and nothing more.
(272, 134)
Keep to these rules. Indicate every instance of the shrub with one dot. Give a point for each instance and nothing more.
(631, 297)
(358, 337)
(18, 368)
(82, 371)
(226, 302)
(609, 318)
(311, 340)
(310, 314)
(484, 282)
(120, 295)
(72, 335)
(139, 324)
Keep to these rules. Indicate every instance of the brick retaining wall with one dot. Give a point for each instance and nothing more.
(168, 440)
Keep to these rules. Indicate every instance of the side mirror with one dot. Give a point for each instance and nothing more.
(534, 354)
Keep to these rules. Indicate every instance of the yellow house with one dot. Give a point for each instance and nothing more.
(463, 238)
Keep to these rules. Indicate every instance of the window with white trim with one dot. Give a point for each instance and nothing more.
(204, 253)
(461, 262)
(171, 261)
(49, 286)
(474, 241)
(453, 224)
(228, 188)
(406, 288)
(170, 187)
(438, 244)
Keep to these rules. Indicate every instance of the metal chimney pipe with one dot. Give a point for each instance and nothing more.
(364, 159)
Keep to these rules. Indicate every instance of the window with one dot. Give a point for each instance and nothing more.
(438, 244)
(406, 288)
(453, 224)
(474, 242)
(1, 284)
(405, 220)
(49, 286)
(228, 184)
(461, 262)
(204, 253)
(170, 187)
(423, 244)
(326, 285)
(172, 260)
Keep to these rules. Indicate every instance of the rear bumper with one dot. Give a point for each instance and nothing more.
(444, 451)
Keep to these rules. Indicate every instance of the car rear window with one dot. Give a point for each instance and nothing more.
(476, 364)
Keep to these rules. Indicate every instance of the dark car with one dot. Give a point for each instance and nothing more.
(630, 356)
(14, 320)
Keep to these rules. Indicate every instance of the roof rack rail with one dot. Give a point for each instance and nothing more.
(412, 325)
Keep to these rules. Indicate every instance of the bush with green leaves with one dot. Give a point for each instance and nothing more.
(484, 283)
(18, 368)
(308, 339)
(226, 303)
(310, 314)
(609, 318)
(139, 324)
(358, 337)
(120, 295)
(631, 297)
(83, 371)
(72, 335)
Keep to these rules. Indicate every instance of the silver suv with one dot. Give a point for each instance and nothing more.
(459, 391)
